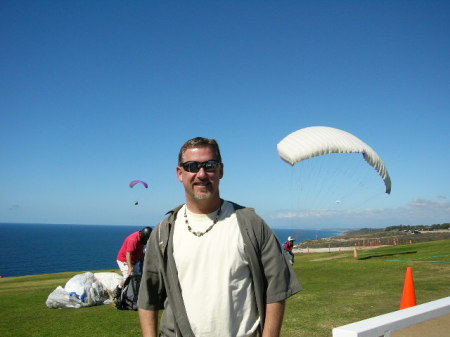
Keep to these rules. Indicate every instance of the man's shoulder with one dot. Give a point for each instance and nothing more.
(245, 211)
(171, 214)
(248, 218)
(238, 207)
(168, 218)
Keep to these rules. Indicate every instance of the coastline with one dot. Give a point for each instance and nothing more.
(368, 239)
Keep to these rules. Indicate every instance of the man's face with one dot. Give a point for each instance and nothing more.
(201, 185)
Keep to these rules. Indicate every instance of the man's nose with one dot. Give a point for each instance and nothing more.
(202, 172)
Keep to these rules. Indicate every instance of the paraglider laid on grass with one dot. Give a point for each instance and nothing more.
(320, 140)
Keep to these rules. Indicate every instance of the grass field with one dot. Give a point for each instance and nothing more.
(338, 289)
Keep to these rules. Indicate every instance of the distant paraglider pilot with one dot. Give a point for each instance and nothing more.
(288, 247)
(132, 251)
(136, 182)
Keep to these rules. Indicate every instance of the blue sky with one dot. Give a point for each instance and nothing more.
(95, 94)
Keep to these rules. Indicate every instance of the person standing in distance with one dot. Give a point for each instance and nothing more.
(288, 247)
(215, 267)
(132, 251)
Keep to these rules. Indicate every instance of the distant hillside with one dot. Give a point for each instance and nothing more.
(375, 237)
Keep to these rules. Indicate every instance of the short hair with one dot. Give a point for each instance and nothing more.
(199, 142)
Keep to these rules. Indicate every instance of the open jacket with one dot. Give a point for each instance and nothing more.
(272, 275)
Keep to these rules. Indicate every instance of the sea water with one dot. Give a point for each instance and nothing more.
(30, 249)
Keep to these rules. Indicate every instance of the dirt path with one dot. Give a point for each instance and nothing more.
(331, 257)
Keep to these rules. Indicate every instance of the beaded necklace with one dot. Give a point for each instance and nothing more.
(199, 234)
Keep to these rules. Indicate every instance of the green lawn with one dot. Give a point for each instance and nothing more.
(339, 289)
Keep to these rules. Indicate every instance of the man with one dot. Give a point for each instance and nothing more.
(288, 247)
(215, 267)
(132, 251)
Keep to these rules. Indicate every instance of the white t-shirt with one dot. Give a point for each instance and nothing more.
(214, 275)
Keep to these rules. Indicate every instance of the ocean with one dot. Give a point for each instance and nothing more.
(30, 249)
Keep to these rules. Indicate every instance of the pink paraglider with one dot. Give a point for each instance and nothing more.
(134, 182)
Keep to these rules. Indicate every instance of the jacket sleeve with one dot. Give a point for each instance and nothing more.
(152, 291)
(273, 276)
(281, 279)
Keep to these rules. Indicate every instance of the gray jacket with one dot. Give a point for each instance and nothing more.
(273, 277)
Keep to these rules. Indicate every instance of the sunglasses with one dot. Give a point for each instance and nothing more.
(195, 166)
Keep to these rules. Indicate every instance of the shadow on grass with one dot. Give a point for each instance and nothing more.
(384, 255)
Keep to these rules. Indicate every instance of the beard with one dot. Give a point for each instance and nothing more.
(202, 196)
(203, 193)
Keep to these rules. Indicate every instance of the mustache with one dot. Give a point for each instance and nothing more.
(201, 182)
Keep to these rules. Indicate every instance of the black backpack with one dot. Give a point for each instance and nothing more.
(126, 298)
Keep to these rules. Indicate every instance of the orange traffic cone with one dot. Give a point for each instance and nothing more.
(355, 253)
(409, 293)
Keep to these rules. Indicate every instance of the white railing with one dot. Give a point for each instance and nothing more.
(384, 325)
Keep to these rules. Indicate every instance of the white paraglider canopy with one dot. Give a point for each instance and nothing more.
(315, 141)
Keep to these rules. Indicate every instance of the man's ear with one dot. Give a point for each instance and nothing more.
(179, 174)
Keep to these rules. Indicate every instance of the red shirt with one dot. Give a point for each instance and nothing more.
(132, 245)
(289, 245)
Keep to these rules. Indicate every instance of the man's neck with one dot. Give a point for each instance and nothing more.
(204, 206)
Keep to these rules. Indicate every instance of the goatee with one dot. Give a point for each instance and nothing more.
(202, 196)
